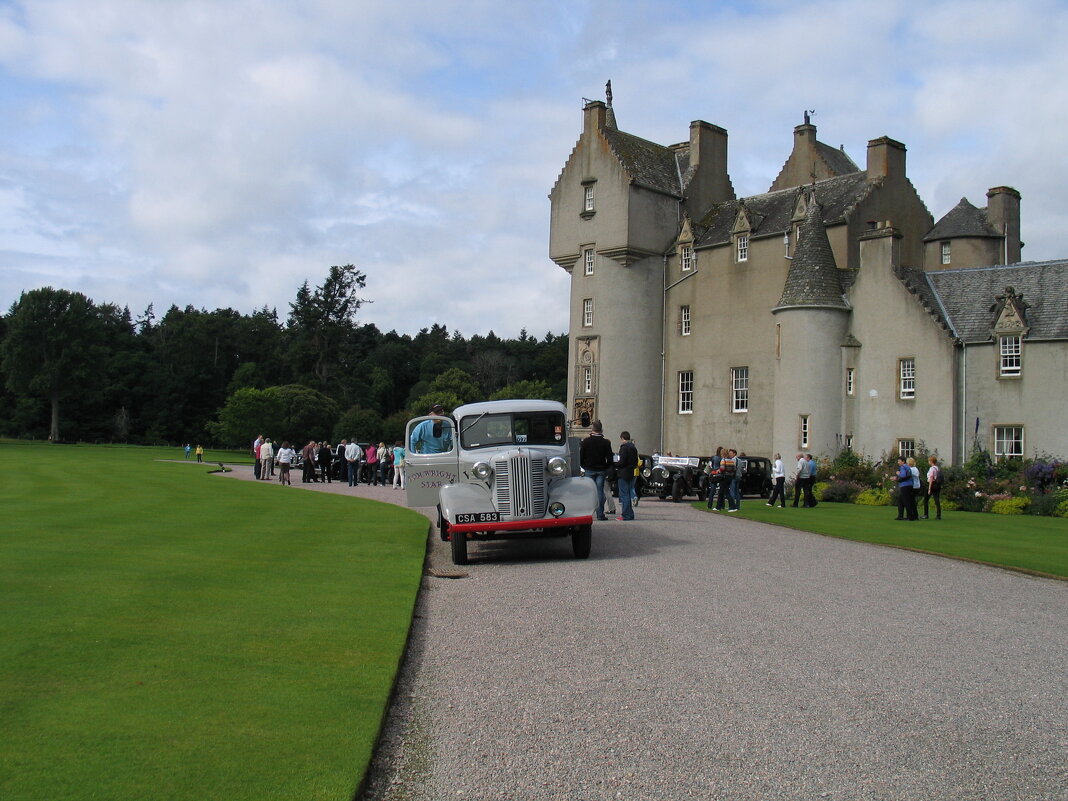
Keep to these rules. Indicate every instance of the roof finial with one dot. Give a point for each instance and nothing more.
(608, 92)
(808, 118)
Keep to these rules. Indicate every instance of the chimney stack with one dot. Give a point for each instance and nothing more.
(886, 158)
(708, 160)
(1003, 213)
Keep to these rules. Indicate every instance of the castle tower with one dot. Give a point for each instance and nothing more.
(812, 319)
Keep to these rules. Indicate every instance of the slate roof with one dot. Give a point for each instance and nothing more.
(967, 295)
(813, 280)
(647, 163)
(964, 219)
(836, 159)
(837, 196)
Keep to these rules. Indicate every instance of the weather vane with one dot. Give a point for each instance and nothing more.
(808, 119)
(608, 91)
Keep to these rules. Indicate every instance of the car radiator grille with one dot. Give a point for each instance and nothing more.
(519, 487)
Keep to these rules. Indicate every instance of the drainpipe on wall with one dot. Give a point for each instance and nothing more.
(663, 349)
(963, 402)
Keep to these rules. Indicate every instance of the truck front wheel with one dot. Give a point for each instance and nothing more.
(678, 489)
(582, 541)
(459, 548)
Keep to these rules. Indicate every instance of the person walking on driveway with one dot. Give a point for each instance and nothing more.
(595, 457)
(778, 475)
(626, 464)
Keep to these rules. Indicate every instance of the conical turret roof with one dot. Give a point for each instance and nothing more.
(813, 280)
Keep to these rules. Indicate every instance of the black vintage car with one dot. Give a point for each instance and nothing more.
(677, 477)
(640, 481)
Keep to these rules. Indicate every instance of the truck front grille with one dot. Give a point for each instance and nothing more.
(519, 487)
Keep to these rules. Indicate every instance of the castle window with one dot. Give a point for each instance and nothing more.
(906, 377)
(587, 380)
(587, 312)
(743, 247)
(906, 448)
(686, 259)
(686, 392)
(1011, 364)
(587, 259)
(684, 320)
(851, 381)
(803, 431)
(739, 389)
(1008, 442)
(786, 243)
(587, 203)
(946, 252)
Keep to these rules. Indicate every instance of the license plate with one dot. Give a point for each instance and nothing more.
(478, 517)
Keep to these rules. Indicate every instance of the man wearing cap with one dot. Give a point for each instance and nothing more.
(433, 435)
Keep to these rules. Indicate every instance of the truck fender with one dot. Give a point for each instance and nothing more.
(455, 498)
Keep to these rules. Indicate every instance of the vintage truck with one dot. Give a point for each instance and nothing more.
(498, 470)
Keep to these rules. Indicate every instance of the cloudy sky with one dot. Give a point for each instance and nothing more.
(220, 152)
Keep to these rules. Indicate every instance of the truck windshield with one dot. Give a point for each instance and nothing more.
(521, 428)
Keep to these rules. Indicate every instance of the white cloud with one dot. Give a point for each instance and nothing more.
(220, 153)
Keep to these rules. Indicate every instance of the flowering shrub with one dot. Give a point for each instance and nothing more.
(873, 497)
(1047, 504)
(1010, 506)
(840, 491)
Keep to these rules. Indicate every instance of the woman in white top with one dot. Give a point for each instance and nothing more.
(286, 455)
(778, 476)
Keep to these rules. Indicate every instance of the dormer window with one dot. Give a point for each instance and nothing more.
(1011, 363)
(947, 253)
(742, 249)
(686, 259)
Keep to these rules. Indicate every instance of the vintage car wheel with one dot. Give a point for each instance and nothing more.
(459, 548)
(443, 526)
(678, 489)
(582, 541)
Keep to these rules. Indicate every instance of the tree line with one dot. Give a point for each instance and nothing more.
(75, 370)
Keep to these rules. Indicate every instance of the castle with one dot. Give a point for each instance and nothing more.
(830, 312)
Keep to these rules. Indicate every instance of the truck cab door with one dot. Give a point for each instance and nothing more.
(431, 462)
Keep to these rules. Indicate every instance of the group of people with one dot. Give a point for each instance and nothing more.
(725, 473)
(909, 487)
(200, 451)
(598, 460)
(371, 464)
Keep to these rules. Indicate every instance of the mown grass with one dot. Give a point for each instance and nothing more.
(1023, 542)
(169, 634)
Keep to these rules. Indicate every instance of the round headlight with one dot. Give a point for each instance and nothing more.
(482, 470)
(557, 466)
(556, 508)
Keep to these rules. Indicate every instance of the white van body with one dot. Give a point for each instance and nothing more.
(501, 469)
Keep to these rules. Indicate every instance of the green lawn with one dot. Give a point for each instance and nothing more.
(169, 634)
(1024, 542)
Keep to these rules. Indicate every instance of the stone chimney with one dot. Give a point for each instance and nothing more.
(594, 115)
(708, 161)
(1003, 213)
(886, 158)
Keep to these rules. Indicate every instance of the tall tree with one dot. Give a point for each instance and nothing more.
(51, 347)
(321, 321)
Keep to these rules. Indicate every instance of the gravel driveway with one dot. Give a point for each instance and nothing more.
(699, 655)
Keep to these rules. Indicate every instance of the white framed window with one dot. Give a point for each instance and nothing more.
(587, 202)
(743, 247)
(587, 261)
(849, 442)
(739, 389)
(786, 243)
(803, 431)
(686, 392)
(686, 259)
(684, 320)
(587, 380)
(851, 381)
(1011, 362)
(1008, 442)
(906, 379)
(906, 448)
(947, 252)
(587, 312)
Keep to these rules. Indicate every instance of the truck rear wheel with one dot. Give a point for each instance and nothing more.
(582, 541)
(459, 548)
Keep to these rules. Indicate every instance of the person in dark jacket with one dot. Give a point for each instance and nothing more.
(626, 464)
(595, 457)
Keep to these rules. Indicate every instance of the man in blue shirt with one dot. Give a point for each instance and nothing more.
(433, 435)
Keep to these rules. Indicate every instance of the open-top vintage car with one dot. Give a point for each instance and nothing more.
(498, 470)
(676, 476)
